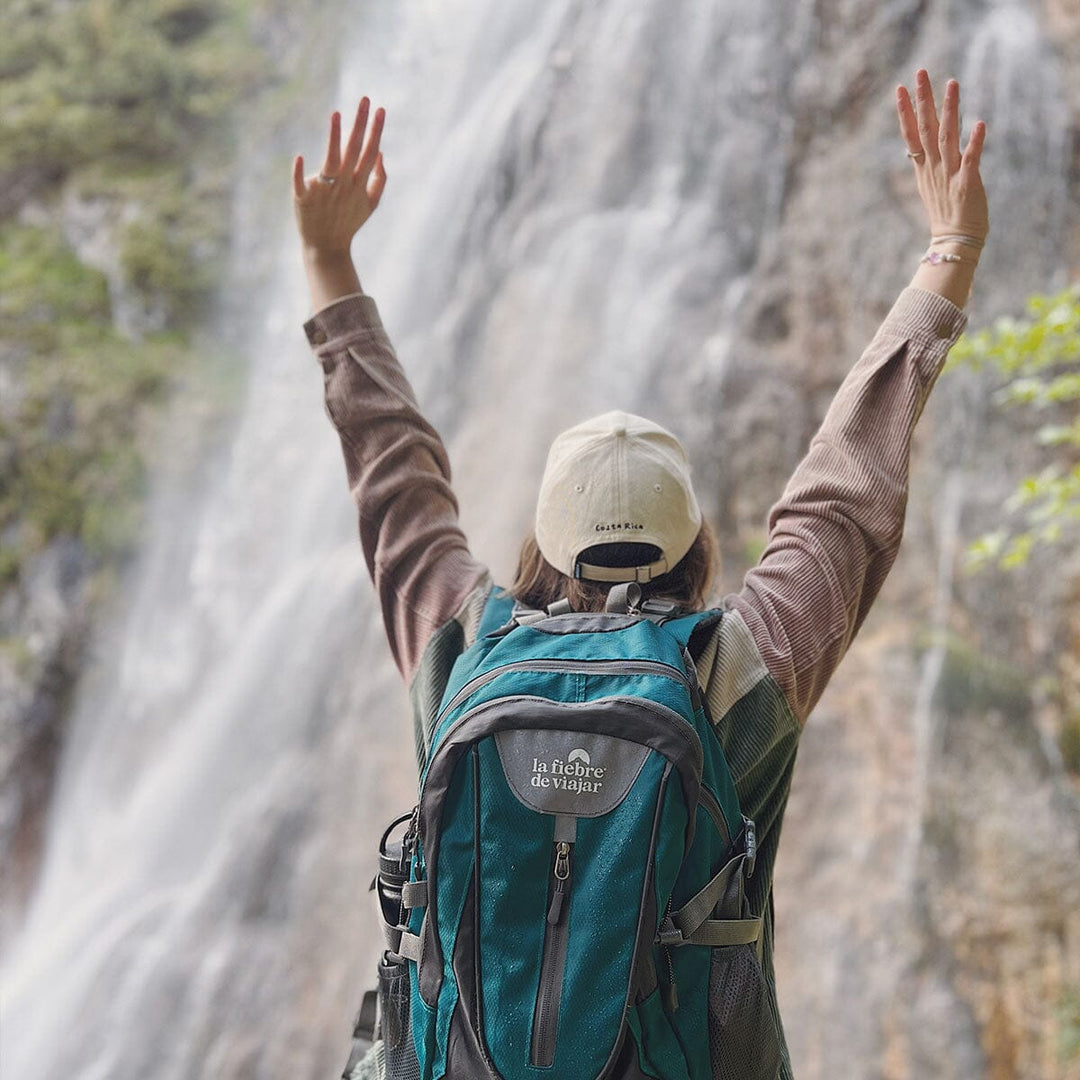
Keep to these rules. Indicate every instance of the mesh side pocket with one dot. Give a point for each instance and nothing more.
(743, 1042)
(394, 1022)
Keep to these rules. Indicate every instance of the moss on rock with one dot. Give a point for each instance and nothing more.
(132, 80)
(73, 444)
(127, 103)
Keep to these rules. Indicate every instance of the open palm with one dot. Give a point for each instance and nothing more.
(949, 182)
(333, 204)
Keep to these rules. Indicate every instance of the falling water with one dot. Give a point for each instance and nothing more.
(933, 662)
(579, 196)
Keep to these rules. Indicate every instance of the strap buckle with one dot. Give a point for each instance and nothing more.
(669, 934)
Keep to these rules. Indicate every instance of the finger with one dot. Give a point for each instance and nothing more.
(356, 137)
(927, 114)
(949, 131)
(332, 161)
(298, 186)
(371, 148)
(969, 166)
(909, 127)
(377, 183)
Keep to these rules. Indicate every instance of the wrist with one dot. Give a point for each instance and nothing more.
(330, 273)
(323, 256)
(951, 279)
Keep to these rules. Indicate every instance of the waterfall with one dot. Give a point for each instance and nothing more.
(927, 735)
(580, 196)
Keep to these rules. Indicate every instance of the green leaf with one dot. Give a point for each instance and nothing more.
(1038, 357)
(1018, 551)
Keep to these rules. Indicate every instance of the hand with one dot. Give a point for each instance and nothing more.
(949, 184)
(331, 206)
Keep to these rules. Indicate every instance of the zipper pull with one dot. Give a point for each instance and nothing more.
(562, 879)
(671, 992)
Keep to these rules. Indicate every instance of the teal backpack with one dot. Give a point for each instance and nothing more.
(567, 900)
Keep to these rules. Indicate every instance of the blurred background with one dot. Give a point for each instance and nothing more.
(696, 210)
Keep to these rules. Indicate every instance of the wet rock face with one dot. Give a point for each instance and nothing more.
(928, 920)
(1000, 890)
(44, 622)
(929, 874)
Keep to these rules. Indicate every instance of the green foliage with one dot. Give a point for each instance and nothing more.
(129, 103)
(42, 284)
(1039, 356)
(1069, 743)
(972, 681)
(1068, 1016)
(73, 442)
(160, 258)
(131, 98)
(123, 80)
(754, 547)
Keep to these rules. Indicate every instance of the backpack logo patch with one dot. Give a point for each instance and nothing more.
(574, 773)
(569, 772)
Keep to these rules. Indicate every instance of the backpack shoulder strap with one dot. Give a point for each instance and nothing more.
(498, 611)
(693, 631)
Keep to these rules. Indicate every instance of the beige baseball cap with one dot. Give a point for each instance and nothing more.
(613, 479)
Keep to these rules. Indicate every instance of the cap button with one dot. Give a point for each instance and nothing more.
(620, 431)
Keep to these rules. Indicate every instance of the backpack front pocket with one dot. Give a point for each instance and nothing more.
(559, 915)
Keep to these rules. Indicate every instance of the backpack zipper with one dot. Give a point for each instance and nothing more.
(671, 993)
(553, 960)
(588, 667)
(599, 667)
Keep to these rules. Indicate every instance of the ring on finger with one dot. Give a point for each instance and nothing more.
(327, 179)
(916, 154)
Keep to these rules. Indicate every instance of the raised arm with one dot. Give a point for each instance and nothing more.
(834, 534)
(396, 463)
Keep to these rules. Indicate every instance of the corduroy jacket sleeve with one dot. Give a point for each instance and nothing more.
(834, 534)
(399, 476)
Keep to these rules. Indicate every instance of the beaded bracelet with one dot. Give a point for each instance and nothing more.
(935, 258)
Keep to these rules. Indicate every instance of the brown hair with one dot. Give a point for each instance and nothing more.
(537, 583)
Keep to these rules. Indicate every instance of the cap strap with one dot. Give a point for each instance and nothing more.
(620, 573)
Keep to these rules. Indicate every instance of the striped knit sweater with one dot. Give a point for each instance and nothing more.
(833, 536)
